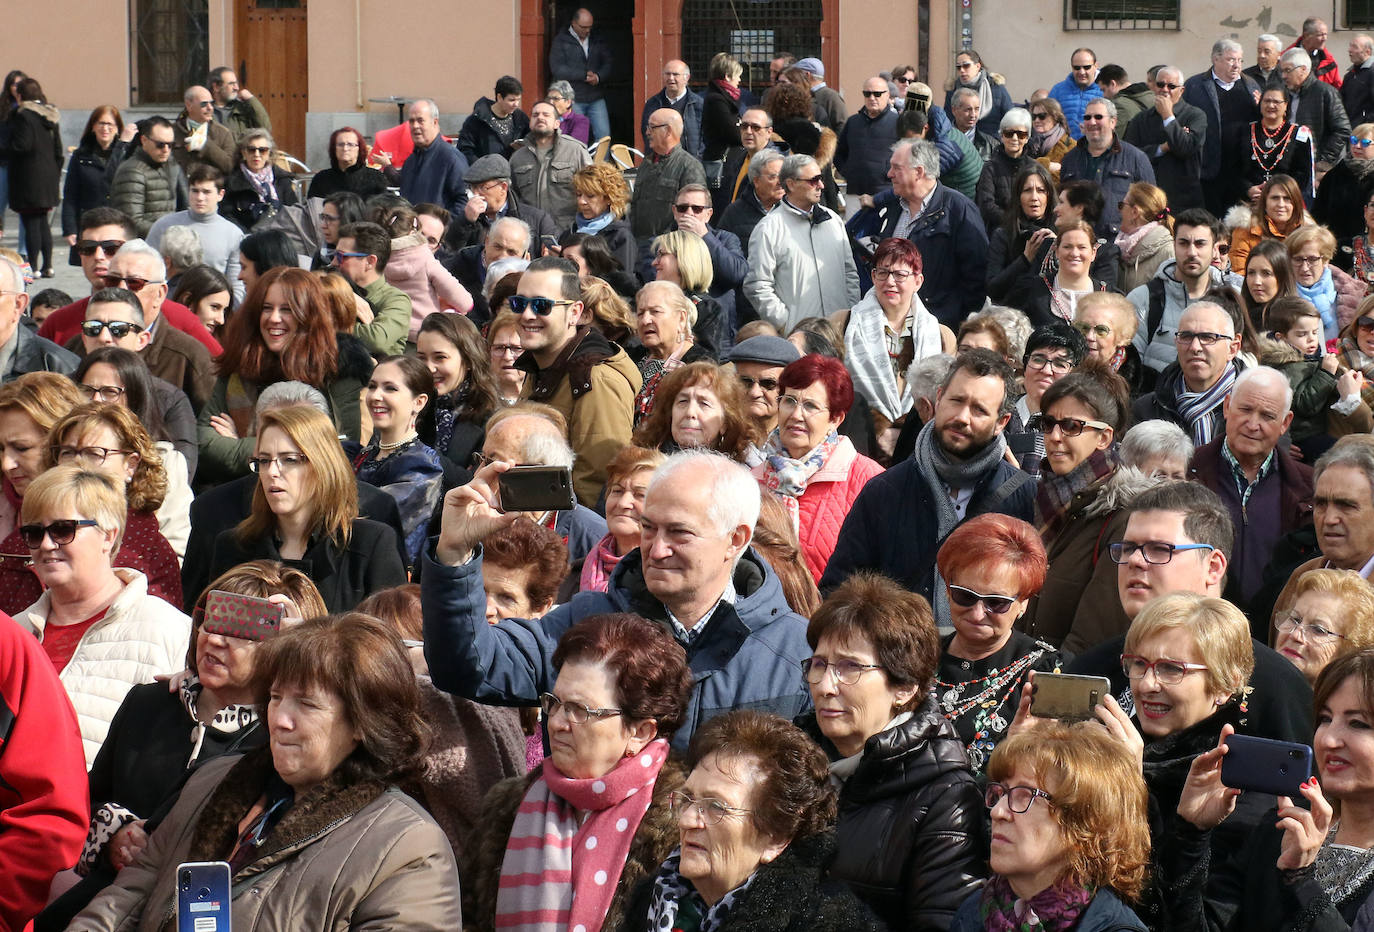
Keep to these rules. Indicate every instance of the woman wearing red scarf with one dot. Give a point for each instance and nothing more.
(720, 112)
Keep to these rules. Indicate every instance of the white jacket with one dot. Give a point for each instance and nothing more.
(800, 269)
(140, 637)
(174, 517)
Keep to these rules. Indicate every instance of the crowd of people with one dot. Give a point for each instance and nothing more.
(1084, 384)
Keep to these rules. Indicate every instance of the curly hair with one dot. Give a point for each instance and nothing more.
(1357, 603)
(649, 667)
(738, 429)
(789, 101)
(260, 579)
(1099, 801)
(45, 397)
(606, 180)
(148, 487)
(792, 796)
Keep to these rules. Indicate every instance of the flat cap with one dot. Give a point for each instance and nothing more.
(812, 66)
(487, 168)
(769, 351)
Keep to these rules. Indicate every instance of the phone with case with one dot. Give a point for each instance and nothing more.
(1265, 766)
(203, 896)
(1067, 697)
(536, 488)
(241, 616)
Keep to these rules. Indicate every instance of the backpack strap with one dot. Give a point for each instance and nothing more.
(1155, 315)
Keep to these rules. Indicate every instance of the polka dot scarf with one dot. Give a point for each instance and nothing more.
(559, 875)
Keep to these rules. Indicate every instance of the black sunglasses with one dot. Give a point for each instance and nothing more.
(967, 598)
(109, 247)
(874, 93)
(119, 329)
(694, 208)
(62, 531)
(768, 385)
(1165, 86)
(541, 306)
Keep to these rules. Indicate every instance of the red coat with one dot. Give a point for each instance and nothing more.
(1324, 67)
(44, 801)
(827, 500)
(65, 322)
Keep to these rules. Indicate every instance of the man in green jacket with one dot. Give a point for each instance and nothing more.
(150, 184)
(363, 252)
(235, 106)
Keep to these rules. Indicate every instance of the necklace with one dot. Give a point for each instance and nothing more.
(988, 721)
(388, 447)
(1364, 258)
(1265, 153)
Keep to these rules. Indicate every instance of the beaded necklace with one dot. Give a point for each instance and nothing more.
(1263, 151)
(1364, 259)
(997, 688)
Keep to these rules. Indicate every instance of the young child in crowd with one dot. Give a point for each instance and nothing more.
(1322, 393)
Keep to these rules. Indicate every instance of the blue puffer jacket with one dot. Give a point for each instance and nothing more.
(748, 657)
(1074, 100)
(1106, 913)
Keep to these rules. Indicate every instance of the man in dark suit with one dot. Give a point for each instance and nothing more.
(1357, 90)
(1171, 134)
(583, 60)
(1230, 99)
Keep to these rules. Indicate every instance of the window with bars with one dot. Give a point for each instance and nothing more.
(171, 48)
(1359, 14)
(754, 31)
(1123, 14)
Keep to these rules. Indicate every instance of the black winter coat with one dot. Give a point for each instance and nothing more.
(35, 154)
(792, 893)
(87, 184)
(994, 186)
(909, 837)
(241, 203)
(719, 123)
(358, 178)
(864, 149)
(479, 137)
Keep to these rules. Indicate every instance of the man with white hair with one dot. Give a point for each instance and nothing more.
(21, 350)
(694, 573)
(1230, 98)
(800, 263)
(1317, 105)
(508, 238)
(1265, 70)
(757, 198)
(1357, 90)
(682, 100)
(433, 173)
(1172, 134)
(1266, 490)
(198, 138)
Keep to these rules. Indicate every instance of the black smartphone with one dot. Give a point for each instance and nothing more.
(203, 896)
(1067, 697)
(1265, 766)
(536, 488)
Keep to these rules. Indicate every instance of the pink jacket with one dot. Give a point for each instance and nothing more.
(430, 287)
(826, 501)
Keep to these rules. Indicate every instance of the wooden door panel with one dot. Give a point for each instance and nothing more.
(270, 39)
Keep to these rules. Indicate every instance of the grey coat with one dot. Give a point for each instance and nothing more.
(146, 191)
(657, 184)
(544, 178)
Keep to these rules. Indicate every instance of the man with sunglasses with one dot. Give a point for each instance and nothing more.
(150, 183)
(572, 368)
(755, 135)
(1171, 134)
(866, 141)
(1267, 492)
(1075, 91)
(692, 212)
(103, 231)
(21, 350)
(759, 362)
(198, 138)
(800, 263)
(1102, 157)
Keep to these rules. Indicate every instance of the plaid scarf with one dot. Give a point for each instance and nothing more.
(1196, 407)
(1053, 909)
(1055, 494)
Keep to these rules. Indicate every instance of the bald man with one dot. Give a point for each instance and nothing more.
(677, 96)
(661, 175)
(1357, 90)
(197, 138)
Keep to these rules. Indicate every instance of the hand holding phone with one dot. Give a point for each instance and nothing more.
(536, 488)
(1277, 768)
(1066, 697)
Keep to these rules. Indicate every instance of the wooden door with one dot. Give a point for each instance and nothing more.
(271, 57)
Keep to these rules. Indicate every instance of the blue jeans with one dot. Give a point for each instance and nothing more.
(598, 115)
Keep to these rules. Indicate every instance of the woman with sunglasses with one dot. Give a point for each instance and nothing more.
(1278, 211)
(257, 188)
(1340, 200)
(994, 102)
(1146, 240)
(620, 693)
(907, 798)
(1006, 162)
(1050, 139)
(99, 625)
(991, 567)
(1277, 147)
(1070, 841)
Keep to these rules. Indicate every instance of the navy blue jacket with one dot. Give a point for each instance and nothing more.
(690, 107)
(748, 656)
(900, 542)
(434, 175)
(954, 252)
(1122, 166)
(864, 149)
(1201, 91)
(567, 62)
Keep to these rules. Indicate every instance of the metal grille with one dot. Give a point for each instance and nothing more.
(1359, 14)
(1121, 14)
(754, 31)
(170, 48)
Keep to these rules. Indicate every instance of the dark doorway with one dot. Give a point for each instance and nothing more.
(613, 20)
(170, 48)
(753, 32)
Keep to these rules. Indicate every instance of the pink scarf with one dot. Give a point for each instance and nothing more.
(1128, 243)
(597, 567)
(558, 876)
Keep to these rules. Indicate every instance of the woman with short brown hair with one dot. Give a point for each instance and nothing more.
(698, 405)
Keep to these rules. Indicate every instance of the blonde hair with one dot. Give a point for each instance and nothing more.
(1217, 627)
(629, 461)
(1357, 603)
(90, 494)
(605, 306)
(677, 300)
(1152, 202)
(604, 179)
(1123, 312)
(1099, 800)
(45, 397)
(1311, 233)
(693, 258)
(335, 495)
(148, 487)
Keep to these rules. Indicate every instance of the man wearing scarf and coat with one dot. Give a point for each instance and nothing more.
(1190, 391)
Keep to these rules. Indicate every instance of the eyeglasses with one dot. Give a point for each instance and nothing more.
(340, 254)
(554, 98)
(506, 349)
(257, 150)
(1101, 330)
(341, 144)
(103, 392)
(754, 127)
(1186, 337)
(874, 94)
(1166, 86)
(1068, 426)
(61, 531)
(967, 598)
(768, 385)
(286, 462)
(1040, 116)
(1019, 798)
(329, 218)
(1292, 623)
(119, 329)
(710, 811)
(1157, 552)
(809, 409)
(203, 103)
(1083, 67)
(1015, 134)
(91, 456)
(541, 306)
(158, 143)
(1168, 672)
(846, 672)
(694, 208)
(897, 275)
(1287, 70)
(1308, 260)
(654, 126)
(88, 247)
(1060, 364)
(133, 284)
(577, 713)
(1361, 142)
(814, 181)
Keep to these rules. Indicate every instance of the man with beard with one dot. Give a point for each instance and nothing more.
(542, 168)
(957, 472)
(1160, 302)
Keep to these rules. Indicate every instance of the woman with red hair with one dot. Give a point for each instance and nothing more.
(991, 567)
(348, 171)
(281, 332)
(814, 471)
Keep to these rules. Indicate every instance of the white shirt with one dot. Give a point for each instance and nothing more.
(585, 43)
(673, 100)
(961, 498)
(1225, 85)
